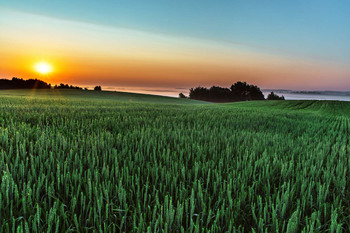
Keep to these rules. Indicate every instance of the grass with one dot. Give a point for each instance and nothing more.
(78, 161)
(113, 96)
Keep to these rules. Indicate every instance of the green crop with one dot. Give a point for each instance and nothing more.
(90, 162)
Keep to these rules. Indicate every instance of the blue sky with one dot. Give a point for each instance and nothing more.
(315, 29)
(287, 37)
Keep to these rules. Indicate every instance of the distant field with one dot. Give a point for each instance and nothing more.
(96, 96)
(84, 161)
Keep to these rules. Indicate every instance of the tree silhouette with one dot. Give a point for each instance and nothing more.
(243, 91)
(182, 96)
(240, 91)
(66, 86)
(17, 83)
(273, 96)
(98, 88)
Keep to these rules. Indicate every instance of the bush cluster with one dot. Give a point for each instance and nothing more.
(240, 91)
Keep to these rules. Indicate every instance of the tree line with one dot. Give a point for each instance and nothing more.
(239, 91)
(66, 86)
(18, 83)
(273, 96)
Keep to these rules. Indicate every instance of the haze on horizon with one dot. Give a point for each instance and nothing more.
(288, 45)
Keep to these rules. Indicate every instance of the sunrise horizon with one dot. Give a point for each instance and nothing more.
(303, 49)
(175, 116)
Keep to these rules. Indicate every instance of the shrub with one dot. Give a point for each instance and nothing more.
(98, 88)
(273, 96)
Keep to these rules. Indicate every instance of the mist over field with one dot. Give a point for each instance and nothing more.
(288, 94)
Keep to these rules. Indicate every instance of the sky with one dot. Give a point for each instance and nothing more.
(299, 45)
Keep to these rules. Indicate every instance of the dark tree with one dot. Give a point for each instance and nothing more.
(66, 86)
(243, 91)
(98, 88)
(239, 91)
(182, 96)
(17, 83)
(199, 93)
(220, 94)
(273, 96)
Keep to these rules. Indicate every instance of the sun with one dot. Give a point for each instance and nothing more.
(43, 67)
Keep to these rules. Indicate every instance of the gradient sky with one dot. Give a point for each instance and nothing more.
(301, 45)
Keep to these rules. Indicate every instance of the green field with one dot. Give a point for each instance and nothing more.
(85, 161)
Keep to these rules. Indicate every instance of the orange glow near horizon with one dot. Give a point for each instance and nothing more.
(84, 54)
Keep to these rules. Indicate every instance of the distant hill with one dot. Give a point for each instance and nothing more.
(338, 93)
(110, 97)
(283, 91)
(277, 90)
